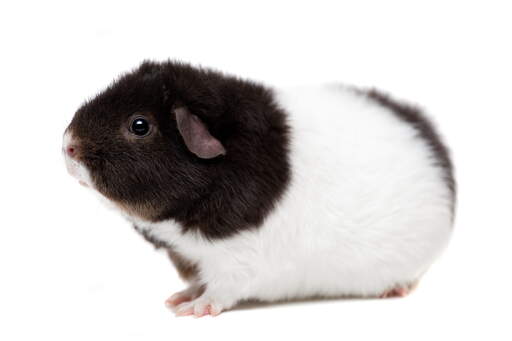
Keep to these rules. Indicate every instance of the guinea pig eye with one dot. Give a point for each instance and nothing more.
(140, 126)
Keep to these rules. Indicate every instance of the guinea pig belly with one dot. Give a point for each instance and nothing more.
(368, 206)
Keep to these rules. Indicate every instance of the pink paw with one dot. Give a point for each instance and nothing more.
(401, 291)
(186, 295)
(198, 307)
(397, 292)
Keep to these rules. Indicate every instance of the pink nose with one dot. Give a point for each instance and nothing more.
(71, 150)
(70, 146)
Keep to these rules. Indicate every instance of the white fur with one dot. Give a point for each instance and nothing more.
(366, 210)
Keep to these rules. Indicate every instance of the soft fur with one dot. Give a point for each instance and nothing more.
(323, 190)
(157, 177)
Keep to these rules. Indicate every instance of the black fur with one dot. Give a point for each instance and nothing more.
(157, 177)
(412, 115)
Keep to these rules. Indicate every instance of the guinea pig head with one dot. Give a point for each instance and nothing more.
(140, 146)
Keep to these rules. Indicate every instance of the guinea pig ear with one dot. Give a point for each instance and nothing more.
(196, 135)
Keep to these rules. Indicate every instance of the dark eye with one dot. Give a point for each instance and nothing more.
(140, 126)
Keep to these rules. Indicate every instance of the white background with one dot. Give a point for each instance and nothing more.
(70, 269)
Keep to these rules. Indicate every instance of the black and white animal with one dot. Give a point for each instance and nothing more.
(264, 193)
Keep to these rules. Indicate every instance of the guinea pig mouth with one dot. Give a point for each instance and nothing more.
(83, 183)
(78, 171)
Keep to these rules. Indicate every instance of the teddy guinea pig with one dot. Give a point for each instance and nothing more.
(264, 193)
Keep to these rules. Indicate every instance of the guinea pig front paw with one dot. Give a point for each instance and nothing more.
(187, 295)
(201, 306)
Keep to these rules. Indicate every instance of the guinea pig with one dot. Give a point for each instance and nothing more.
(265, 193)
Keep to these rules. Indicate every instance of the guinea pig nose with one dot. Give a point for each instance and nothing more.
(71, 150)
(70, 145)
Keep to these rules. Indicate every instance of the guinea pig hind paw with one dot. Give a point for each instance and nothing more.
(399, 291)
(396, 292)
